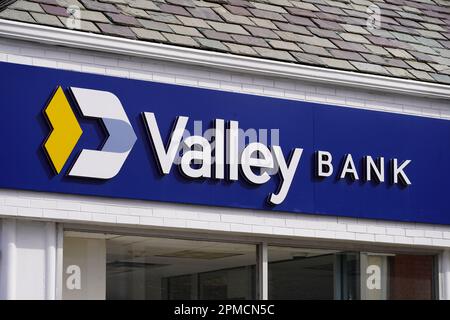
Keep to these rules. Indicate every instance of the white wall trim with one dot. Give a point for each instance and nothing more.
(102, 43)
(50, 264)
(444, 275)
(9, 260)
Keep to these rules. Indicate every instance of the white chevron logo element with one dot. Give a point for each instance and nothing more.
(107, 162)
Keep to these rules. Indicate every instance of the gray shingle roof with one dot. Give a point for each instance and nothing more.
(413, 40)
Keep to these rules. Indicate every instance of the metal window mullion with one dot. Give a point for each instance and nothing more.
(262, 272)
(59, 261)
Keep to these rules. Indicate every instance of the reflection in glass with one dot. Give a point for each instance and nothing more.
(236, 284)
(347, 275)
(133, 267)
(374, 279)
(297, 274)
(300, 273)
(160, 268)
(411, 277)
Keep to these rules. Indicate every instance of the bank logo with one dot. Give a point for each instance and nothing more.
(66, 131)
(222, 154)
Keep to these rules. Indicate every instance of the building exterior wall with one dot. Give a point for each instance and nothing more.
(165, 216)
(27, 265)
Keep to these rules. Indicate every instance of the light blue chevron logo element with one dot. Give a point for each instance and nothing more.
(107, 162)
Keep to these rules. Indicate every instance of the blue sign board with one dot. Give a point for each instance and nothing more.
(78, 133)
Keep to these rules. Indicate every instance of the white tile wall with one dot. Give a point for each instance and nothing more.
(103, 211)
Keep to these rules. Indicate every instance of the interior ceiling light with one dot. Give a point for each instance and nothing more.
(196, 254)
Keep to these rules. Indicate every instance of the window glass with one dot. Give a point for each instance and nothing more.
(347, 276)
(300, 273)
(374, 279)
(237, 284)
(161, 268)
(84, 267)
(111, 266)
(411, 277)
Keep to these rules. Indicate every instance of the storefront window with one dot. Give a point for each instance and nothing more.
(347, 275)
(319, 274)
(110, 266)
(411, 277)
(161, 268)
(294, 274)
(397, 276)
(300, 274)
(374, 279)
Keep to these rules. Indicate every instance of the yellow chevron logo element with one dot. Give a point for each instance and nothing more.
(66, 130)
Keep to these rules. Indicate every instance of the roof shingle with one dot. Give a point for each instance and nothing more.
(412, 41)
